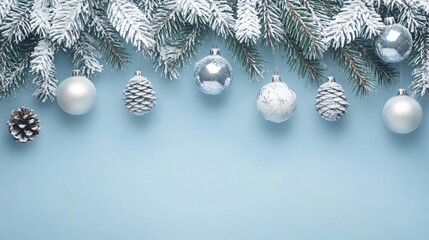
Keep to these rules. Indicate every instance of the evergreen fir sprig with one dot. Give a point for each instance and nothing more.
(420, 61)
(351, 61)
(312, 70)
(247, 56)
(272, 27)
(171, 58)
(384, 73)
(300, 26)
(42, 66)
(171, 33)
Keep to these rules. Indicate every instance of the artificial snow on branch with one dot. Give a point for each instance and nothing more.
(42, 66)
(131, 24)
(171, 33)
(354, 20)
(247, 28)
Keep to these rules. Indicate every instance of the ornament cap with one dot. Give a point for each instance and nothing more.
(276, 77)
(75, 73)
(402, 92)
(214, 51)
(331, 78)
(138, 72)
(389, 21)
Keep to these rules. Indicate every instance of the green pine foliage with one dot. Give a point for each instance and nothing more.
(171, 33)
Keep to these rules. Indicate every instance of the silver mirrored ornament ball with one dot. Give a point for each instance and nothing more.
(213, 73)
(276, 102)
(402, 114)
(76, 95)
(394, 43)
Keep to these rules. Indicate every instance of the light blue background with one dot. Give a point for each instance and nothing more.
(209, 168)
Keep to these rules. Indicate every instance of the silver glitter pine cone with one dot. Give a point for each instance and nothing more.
(331, 100)
(24, 126)
(139, 95)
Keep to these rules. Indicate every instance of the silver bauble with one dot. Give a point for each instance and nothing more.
(394, 43)
(276, 102)
(213, 73)
(76, 95)
(402, 114)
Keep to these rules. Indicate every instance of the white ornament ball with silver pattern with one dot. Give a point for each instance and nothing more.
(276, 102)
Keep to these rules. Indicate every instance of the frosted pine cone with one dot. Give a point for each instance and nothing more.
(139, 95)
(331, 101)
(24, 126)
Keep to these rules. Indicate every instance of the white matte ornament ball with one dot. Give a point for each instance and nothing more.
(276, 102)
(402, 114)
(213, 74)
(394, 43)
(76, 95)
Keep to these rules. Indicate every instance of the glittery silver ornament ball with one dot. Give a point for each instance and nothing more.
(402, 114)
(139, 95)
(276, 102)
(394, 43)
(76, 95)
(213, 73)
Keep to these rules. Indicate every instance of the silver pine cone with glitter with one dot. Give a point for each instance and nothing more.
(24, 126)
(331, 101)
(139, 95)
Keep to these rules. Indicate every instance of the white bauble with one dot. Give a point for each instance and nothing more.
(276, 101)
(402, 114)
(76, 95)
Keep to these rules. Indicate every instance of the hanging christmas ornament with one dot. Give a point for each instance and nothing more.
(139, 95)
(276, 101)
(331, 100)
(213, 73)
(394, 43)
(76, 95)
(24, 126)
(402, 114)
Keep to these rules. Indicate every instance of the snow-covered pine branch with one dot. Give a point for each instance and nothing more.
(16, 25)
(42, 66)
(148, 7)
(108, 40)
(247, 56)
(16, 72)
(40, 17)
(86, 56)
(351, 61)
(420, 61)
(311, 70)
(194, 11)
(5, 6)
(131, 24)
(384, 73)
(247, 27)
(300, 26)
(175, 55)
(167, 21)
(272, 27)
(69, 20)
(221, 18)
(355, 19)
